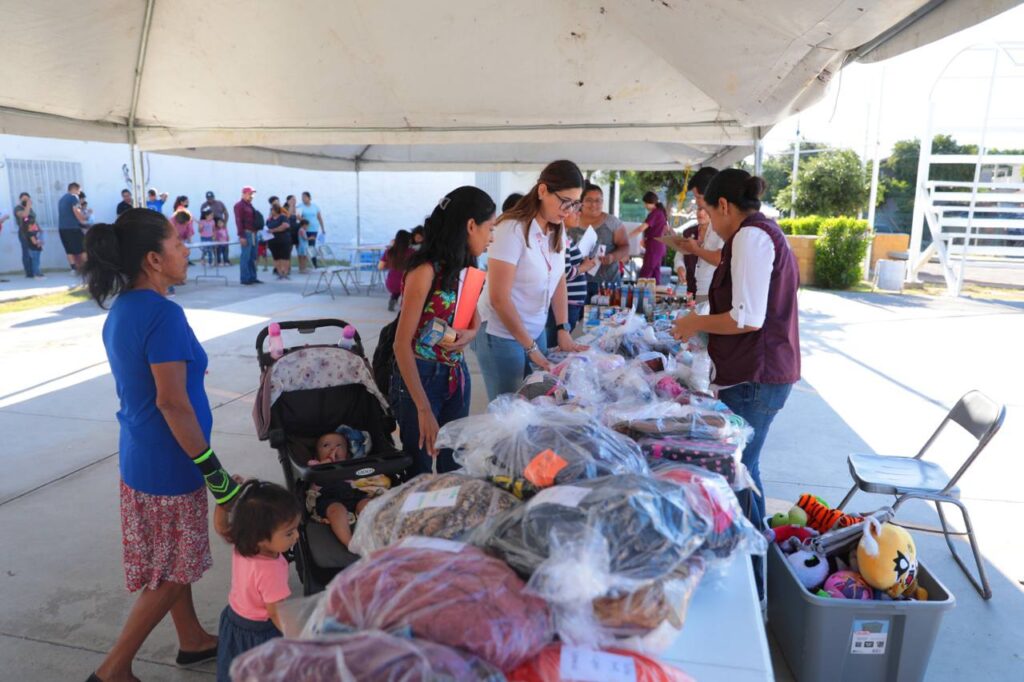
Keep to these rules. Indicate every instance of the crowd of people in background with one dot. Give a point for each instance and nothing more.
(293, 226)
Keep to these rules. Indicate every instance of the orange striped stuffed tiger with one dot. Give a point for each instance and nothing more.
(822, 518)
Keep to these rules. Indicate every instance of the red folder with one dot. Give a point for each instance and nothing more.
(471, 283)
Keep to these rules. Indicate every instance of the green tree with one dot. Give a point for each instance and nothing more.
(831, 183)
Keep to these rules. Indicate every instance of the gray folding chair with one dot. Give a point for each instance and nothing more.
(908, 478)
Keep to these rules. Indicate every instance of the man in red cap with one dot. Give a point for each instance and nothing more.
(246, 222)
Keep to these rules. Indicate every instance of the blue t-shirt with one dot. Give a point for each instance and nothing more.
(309, 213)
(66, 219)
(144, 328)
(156, 205)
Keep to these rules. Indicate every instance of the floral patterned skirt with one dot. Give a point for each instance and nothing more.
(164, 538)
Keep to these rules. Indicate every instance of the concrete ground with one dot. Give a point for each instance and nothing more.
(879, 373)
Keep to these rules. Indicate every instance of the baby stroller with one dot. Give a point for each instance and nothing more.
(309, 391)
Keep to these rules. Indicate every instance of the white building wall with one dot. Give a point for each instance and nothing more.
(389, 201)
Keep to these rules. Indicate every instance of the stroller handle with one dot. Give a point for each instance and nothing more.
(303, 327)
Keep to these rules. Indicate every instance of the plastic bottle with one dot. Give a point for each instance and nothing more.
(348, 337)
(274, 340)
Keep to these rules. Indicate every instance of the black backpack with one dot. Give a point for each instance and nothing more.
(258, 223)
(384, 358)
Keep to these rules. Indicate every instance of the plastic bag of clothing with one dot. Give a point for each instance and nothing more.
(445, 592)
(689, 422)
(720, 457)
(710, 496)
(356, 657)
(435, 505)
(648, 526)
(561, 662)
(544, 444)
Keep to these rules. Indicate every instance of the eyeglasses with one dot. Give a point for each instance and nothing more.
(571, 205)
(594, 200)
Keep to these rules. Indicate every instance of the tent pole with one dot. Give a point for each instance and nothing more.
(359, 227)
(873, 195)
(796, 167)
(758, 151)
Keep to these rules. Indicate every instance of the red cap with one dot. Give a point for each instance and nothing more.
(247, 189)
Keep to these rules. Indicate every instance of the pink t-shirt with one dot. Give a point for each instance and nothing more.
(255, 582)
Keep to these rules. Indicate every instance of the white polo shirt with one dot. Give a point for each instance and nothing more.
(753, 256)
(705, 270)
(538, 271)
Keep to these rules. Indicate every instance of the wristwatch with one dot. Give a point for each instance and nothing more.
(564, 327)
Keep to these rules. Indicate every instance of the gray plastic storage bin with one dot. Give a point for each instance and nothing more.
(846, 640)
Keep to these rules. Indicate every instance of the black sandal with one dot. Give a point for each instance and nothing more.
(193, 657)
(94, 678)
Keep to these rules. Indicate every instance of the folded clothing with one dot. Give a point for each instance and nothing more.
(647, 526)
(542, 443)
(369, 655)
(435, 505)
(445, 592)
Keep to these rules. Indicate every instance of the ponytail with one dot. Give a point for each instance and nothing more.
(652, 198)
(738, 187)
(115, 253)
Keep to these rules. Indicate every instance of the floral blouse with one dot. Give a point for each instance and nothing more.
(440, 304)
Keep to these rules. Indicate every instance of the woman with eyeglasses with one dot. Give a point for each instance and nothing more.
(526, 276)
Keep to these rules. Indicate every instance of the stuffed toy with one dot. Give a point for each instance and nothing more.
(811, 569)
(822, 518)
(887, 559)
(848, 585)
(794, 517)
(783, 533)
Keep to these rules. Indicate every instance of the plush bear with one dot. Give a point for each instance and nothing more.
(887, 558)
(783, 533)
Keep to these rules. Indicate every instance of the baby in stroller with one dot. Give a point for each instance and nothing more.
(339, 504)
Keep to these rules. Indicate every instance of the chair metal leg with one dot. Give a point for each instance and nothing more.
(983, 587)
(848, 497)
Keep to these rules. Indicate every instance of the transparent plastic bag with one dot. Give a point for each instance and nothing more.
(721, 457)
(687, 421)
(370, 655)
(711, 496)
(435, 505)
(561, 662)
(445, 592)
(614, 531)
(544, 444)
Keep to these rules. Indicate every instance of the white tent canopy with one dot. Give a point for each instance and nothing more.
(456, 84)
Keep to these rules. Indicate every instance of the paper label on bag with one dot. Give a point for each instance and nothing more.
(564, 495)
(543, 468)
(586, 665)
(869, 637)
(440, 544)
(435, 498)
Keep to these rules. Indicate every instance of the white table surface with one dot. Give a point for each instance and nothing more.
(723, 637)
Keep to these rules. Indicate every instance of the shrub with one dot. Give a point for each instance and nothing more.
(839, 252)
(805, 225)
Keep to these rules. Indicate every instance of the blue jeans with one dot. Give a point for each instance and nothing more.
(551, 333)
(30, 259)
(503, 361)
(758, 404)
(247, 262)
(207, 250)
(434, 379)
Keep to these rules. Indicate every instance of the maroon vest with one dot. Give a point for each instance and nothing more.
(771, 355)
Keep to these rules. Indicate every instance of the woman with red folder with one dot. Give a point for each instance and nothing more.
(432, 385)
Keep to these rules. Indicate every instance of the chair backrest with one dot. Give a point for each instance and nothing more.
(977, 414)
(324, 255)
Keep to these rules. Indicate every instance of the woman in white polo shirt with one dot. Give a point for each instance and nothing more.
(526, 276)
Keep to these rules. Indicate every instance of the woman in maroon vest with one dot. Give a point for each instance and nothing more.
(753, 336)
